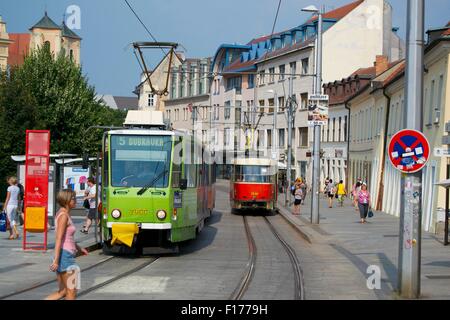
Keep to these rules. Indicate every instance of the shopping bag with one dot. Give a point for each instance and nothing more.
(3, 222)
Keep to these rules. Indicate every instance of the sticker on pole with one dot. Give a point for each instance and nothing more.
(409, 151)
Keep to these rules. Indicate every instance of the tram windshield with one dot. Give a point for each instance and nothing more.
(250, 173)
(137, 161)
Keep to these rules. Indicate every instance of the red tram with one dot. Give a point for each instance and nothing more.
(253, 184)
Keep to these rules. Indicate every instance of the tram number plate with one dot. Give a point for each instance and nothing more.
(178, 199)
(254, 194)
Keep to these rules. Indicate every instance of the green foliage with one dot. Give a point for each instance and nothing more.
(49, 92)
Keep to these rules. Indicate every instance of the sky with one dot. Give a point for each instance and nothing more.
(200, 26)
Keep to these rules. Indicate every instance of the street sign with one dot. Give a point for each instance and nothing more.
(441, 152)
(409, 151)
(318, 97)
(318, 114)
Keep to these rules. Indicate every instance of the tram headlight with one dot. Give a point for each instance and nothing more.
(116, 213)
(161, 214)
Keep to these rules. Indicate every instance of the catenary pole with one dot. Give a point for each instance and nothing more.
(411, 184)
(289, 155)
(316, 149)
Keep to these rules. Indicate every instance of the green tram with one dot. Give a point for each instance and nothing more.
(154, 194)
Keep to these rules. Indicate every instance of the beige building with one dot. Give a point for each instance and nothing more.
(377, 113)
(4, 44)
(60, 39)
(148, 100)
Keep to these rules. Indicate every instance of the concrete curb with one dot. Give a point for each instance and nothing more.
(295, 223)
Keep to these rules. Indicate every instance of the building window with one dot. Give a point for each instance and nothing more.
(333, 137)
(328, 130)
(71, 55)
(271, 104)
(293, 66)
(269, 138)
(271, 75)
(151, 100)
(345, 128)
(282, 70)
(303, 137)
(262, 74)
(281, 103)
(227, 111)
(251, 81)
(234, 83)
(261, 105)
(281, 138)
(439, 99)
(339, 130)
(304, 100)
(305, 66)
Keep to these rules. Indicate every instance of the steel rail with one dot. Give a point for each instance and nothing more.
(242, 287)
(41, 284)
(299, 293)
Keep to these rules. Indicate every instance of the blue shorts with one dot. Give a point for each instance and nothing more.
(66, 260)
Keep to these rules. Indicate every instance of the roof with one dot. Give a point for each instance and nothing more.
(119, 103)
(19, 48)
(259, 49)
(66, 32)
(340, 12)
(46, 23)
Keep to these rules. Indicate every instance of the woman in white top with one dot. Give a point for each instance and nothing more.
(10, 206)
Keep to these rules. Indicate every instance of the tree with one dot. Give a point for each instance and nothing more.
(49, 92)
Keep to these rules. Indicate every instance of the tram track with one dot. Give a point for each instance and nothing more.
(239, 292)
(47, 282)
(17, 294)
(122, 275)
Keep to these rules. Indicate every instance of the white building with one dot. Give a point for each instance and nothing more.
(247, 77)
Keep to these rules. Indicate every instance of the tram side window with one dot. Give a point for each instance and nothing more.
(191, 175)
(176, 166)
(105, 176)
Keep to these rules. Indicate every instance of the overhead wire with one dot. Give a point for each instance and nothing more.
(143, 24)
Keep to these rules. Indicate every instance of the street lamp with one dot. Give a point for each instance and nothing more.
(318, 90)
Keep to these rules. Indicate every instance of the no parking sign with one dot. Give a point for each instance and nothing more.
(409, 150)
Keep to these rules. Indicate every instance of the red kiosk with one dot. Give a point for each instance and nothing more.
(36, 187)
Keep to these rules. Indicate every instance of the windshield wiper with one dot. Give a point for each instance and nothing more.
(150, 184)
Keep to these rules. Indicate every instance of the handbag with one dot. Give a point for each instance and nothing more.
(370, 214)
(86, 204)
(3, 222)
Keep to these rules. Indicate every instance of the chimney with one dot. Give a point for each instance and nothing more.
(381, 65)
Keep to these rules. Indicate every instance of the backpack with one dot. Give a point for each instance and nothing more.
(21, 192)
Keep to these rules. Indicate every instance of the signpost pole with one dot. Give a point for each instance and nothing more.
(411, 183)
(316, 148)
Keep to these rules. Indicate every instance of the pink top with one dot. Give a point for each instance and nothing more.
(363, 197)
(68, 240)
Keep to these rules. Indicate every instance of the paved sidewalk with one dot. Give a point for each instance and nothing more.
(373, 243)
(20, 269)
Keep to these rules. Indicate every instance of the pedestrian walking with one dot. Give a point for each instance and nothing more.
(341, 192)
(364, 202)
(355, 189)
(10, 206)
(65, 248)
(91, 193)
(297, 199)
(331, 191)
(20, 208)
(325, 189)
(304, 188)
